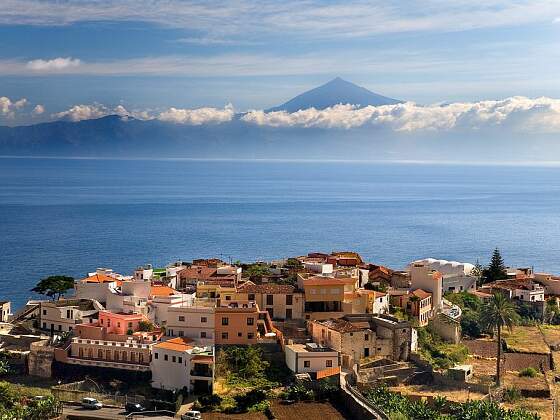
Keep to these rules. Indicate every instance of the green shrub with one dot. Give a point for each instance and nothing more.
(512, 394)
(528, 372)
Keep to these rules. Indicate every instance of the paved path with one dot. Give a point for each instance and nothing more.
(105, 413)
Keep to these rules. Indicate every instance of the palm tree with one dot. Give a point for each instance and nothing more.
(498, 312)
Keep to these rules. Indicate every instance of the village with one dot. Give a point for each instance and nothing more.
(319, 335)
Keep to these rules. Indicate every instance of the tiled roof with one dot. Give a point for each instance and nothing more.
(157, 290)
(271, 289)
(421, 294)
(98, 278)
(202, 358)
(327, 281)
(176, 344)
(340, 325)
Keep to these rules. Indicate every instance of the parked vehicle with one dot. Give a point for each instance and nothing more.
(91, 403)
(134, 408)
(191, 415)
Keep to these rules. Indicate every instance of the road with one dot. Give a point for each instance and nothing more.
(105, 413)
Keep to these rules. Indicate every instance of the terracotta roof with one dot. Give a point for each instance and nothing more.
(98, 278)
(197, 272)
(158, 290)
(340, 325)
(224, 283)
(327, 281)
(203, 358)
(271, 289)
(421, 294)
(176, 344)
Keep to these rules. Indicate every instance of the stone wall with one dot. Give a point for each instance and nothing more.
(40, 359)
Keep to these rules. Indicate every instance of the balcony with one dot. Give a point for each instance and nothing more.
(201, 371)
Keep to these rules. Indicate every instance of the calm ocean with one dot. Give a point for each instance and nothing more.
(70, 216)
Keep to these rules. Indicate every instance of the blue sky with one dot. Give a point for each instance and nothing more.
(152, 55)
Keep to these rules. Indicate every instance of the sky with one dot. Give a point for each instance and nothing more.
(85, 58)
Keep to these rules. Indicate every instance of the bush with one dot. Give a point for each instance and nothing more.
(528, 372)
(512, 394)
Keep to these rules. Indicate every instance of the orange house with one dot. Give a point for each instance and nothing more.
(119, 323)
(241, 322)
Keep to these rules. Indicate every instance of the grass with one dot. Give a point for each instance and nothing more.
(526, 339)
(551, 334)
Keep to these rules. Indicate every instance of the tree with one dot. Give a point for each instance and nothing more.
(54, 286)
(478, 272)
(293, 264)
(495, 314)
(497, 269)
(146, 326)
(256, 272)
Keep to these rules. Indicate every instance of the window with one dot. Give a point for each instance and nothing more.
(180, 333)
(329, 363)
(109, 322)
(118, 324)
(203, 319)
(251, 296)
(68, 313)
(270, 299)
(228, 297)
(180, 360)
(366, 337)
(366, 352)
(181, 318)
(130, 325)
(289, 299)
(165, 357)
(44, 311)
(44, 325)
(240, 334)
(289, 313)
(100, 354)
(203, 334)
(173, 359)
(306, 363)
(225, 321)
(59, 327)
(250, 336)
(224, 336)
(250, 321)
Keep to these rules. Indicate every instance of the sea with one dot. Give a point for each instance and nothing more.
(70, 216)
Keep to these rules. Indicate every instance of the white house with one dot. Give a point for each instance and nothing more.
(179, 363)
(65, 314)
(310, 357)
(193, 319)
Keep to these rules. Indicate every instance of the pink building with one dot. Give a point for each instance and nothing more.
(119, 323)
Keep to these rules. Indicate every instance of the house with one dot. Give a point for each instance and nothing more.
(422, 276)
(328, 297)
(193, 319)
(98, 285)
(213, 270)
(180, 363)
(283, 302)
(359, 336)
(64, 314)
(5, 311)
(551, 283)
(525, 290)
(242, 322)
(115, 342)
(446, 268)
(417, 304)
(311, 358)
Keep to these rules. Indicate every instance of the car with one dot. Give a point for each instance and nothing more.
(134, 408)
(91, 403)
(191, 415)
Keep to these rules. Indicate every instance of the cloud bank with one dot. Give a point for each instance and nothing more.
(9, 107)
(198, 116)
(54, 65)
(520, 113)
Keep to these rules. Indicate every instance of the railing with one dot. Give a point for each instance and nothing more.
(347, 387)
(202, 373)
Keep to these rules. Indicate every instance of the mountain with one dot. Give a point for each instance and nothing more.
(337, 91)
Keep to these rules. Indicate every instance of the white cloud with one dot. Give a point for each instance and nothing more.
(519, 113)
(54, 65)
(9, 107)
(84, 112)
(39, 109)
(311, 18)
(198, 116)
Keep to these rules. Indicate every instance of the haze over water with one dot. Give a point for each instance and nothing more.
(62, 216)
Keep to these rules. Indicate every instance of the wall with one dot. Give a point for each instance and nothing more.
(97, 291)
(192, 325)
(237, 330)
(295, 360)
(169, 374)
